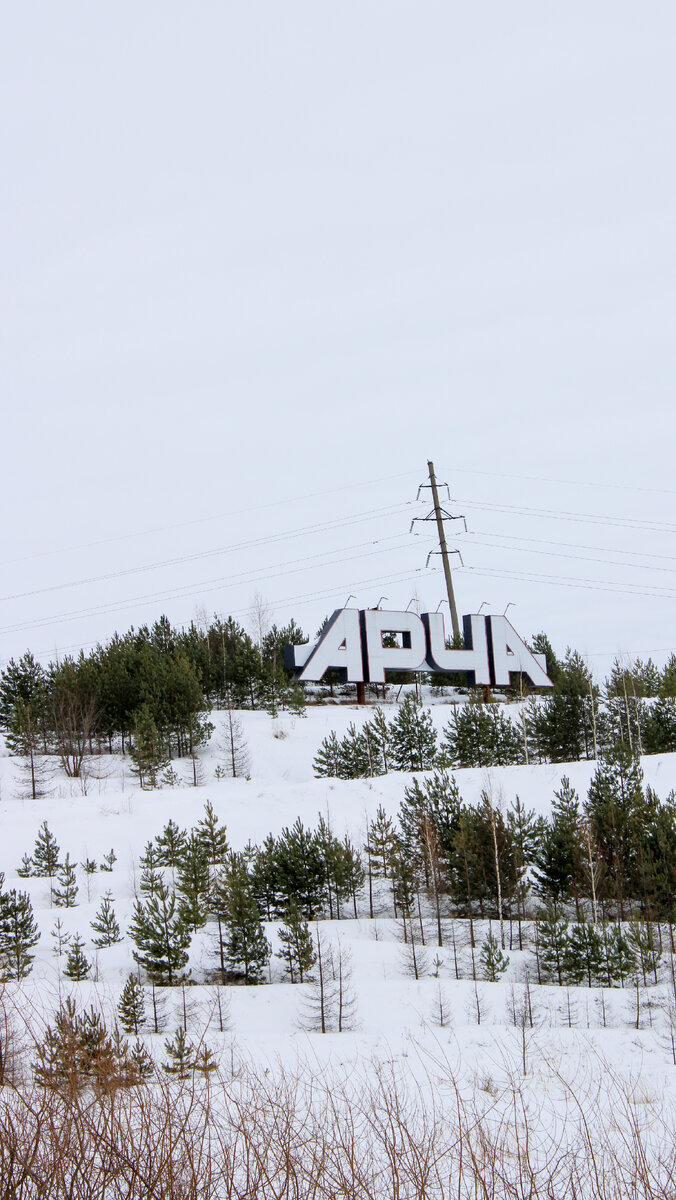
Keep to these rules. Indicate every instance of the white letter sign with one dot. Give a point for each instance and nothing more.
(352, 643)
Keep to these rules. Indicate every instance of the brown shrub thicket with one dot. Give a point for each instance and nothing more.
(287, 1136)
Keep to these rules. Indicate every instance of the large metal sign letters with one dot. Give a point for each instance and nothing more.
(355, 642)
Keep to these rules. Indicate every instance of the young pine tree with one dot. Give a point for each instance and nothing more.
(46, 853)
(19, 933)
(194, 883)
(171, 844)
(132, 1006)
(77, 964)
(161, 937)
(492, 960)
(297, 947)
(149, 753)
(213, 836)
(106, 924)
(413, 737)
(584, 957)
(244, 947)
(327, 762)
(65, 890)
(181, 1056)
(552, 947)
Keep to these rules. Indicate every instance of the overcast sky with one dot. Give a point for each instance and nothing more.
(261, 261)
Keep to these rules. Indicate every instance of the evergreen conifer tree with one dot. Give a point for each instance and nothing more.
(161, 937)
(552, 946)
(297, 952)
(61, 938)
(619, 954)
(296, 701)
(213, 836)
(617, 810)
(584, 956)
(151, 876)
(493, 962)
(194, 883)
(77, 965)
(141, 1061)
(65, 890)
(559, 861)
(106, 924)
(171, 844)
(354, 760)
(148, 753)
(131, 1006)
(46, 853)
(181, 1055)
(109, 861)
(19, 933)
(244, 948)
(27, 868)
(300, 872)
(24, 738)
(414, 738)
(327, 762)
(647, 953)
(206, 1062)
(659, 726)
(378, 742)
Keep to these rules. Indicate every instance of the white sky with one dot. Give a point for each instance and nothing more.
(255, 256)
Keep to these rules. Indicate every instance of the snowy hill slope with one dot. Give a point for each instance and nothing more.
(395, 1018)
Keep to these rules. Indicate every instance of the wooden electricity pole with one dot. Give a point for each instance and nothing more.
(439, 516)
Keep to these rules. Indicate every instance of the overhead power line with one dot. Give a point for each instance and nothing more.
(564, 515)
(300, 600)
(216, 552)
(182, 593)
(238, 512)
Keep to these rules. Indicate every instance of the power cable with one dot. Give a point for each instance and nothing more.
(302, 531)
(563, 515)
(203, 520)
(593, 483)
(575, 557)
(301, 599)
(188, 590)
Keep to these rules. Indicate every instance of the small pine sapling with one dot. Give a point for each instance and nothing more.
(61, 938)
(213, 836)
(106, 924)
(109, 861)
(46, 853)
(492, 960)
(65, 890)
(132, 1005)
(77, 964)
(297, 947)
(171, 777)
(205, 1063)
(19, 933)
(27, 868)
(181, 1056)
(142, 1061)
(171, 845)
(90, 867)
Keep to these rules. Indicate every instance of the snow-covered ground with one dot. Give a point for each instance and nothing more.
(395, 1015)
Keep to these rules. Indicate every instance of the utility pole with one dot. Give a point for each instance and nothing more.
(440, 515)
